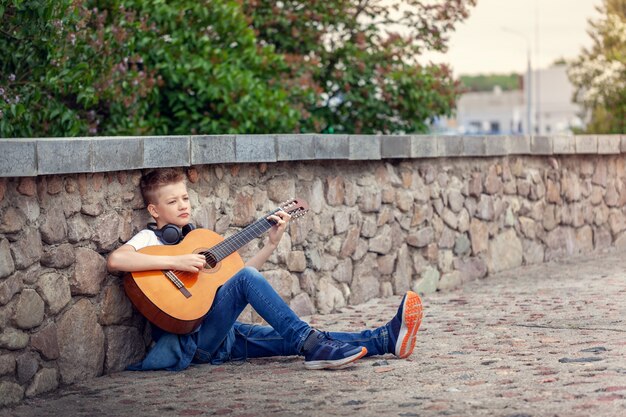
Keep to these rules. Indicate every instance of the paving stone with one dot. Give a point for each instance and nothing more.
(538, 340)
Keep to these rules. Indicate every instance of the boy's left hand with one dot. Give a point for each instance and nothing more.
(276, 232)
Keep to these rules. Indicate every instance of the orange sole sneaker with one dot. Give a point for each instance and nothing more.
(412, 314)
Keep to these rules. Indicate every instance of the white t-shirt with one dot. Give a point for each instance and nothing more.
(144, 238)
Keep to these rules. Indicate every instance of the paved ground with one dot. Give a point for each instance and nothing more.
(545, 340)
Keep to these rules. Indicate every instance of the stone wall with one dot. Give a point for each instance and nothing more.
(376, 227)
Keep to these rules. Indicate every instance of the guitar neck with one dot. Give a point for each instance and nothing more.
(243, 237)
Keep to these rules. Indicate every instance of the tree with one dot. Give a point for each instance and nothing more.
(599, 73)
(214, 76)
(507, 82)
(113, 67)
(34, 65)
(355, 64)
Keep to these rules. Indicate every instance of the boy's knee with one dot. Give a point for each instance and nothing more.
(250, 270)
(250, 273)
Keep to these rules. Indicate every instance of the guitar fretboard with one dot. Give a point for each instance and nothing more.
(238, 240)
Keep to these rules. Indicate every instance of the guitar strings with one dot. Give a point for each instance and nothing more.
(225, 247)
(230, 244)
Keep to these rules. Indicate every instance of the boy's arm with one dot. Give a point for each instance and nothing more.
(261, 256)
(276, 233)
(127, 259)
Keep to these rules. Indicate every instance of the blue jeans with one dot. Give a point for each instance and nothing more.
(222, 338)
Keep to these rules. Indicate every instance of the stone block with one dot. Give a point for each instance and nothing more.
(116, 153)
(115, 306)
(10, 393)
(13, 339)
(60, 256)
(350, 243)
(609, 144)
(332, 147)
(505, 252)
(365, 282)
(295, 147)
(421, 238)
(474, 145)
(428, 282)
(13, 220)
(81, 343)
(124, 345)
(55, 290)
(63, 155)
(450, 281)
(283, 282)
(255, 148)
(29, 311)
(18, 158)
(364, 147)
(564, 144)
(328, 296)
(541, 145)
(424, 146)
(450, 145)
(6, 260)
(395, 146)
(28, 249)
(402, 276)
(496, 145)
(212, 149)
(53, 224)
(471, 268)
(108, 226)
(381, 243)
(296, 261)
(586, 144)
(9, 287)
(166, 151)
(45, 342)
(46, 380)
(7, 364)
(302, 305)
(518, 145)
(27, 365)
(89, 272)
(623, 143)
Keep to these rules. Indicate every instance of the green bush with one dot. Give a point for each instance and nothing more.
(146, 67)
(136, 67)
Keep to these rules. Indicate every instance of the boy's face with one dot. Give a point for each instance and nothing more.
(172, 205)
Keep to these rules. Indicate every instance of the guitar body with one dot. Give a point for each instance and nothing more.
(163, 303)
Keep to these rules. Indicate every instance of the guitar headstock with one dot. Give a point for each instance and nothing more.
(296, 207)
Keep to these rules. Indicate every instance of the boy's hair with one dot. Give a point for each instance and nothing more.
(153, 180)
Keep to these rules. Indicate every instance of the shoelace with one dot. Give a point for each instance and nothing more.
(329, 341)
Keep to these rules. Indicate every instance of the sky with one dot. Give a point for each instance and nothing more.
(496, 36)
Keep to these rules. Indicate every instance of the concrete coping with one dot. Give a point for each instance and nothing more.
(46, 156)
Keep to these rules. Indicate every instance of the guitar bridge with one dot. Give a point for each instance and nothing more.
(178, 283)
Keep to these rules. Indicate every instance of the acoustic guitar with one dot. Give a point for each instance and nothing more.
(177, 301)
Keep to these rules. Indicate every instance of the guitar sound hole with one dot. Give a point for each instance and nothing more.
(210, 260)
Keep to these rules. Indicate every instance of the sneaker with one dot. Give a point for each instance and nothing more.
(404, 326)
(327, 353)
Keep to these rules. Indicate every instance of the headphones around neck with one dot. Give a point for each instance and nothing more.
(170, 234)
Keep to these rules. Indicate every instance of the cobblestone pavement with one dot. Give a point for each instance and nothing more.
(547, 340)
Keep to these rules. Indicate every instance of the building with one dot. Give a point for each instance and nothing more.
(500, 112)
(494, 112)
(552, 107)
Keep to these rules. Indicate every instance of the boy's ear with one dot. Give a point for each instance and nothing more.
(153, 211)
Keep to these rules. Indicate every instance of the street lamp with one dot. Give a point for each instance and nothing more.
(528, 77)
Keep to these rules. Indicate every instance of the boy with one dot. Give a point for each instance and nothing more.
(221, 338)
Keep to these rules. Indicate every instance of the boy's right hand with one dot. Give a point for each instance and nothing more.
(191, 262)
